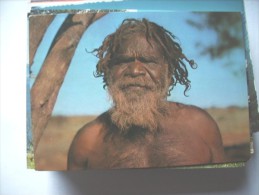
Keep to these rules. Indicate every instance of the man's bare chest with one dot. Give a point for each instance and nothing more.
(161, 151)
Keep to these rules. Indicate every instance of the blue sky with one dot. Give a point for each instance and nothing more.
(213, 84)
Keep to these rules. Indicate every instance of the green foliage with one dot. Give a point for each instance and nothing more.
(30, 158)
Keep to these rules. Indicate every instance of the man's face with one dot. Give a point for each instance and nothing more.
(141, 64)
(138, 82)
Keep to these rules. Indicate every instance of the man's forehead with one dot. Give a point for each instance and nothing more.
(137, 45)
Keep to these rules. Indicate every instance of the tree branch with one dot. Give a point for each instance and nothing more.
(47, 84)
(37, 28)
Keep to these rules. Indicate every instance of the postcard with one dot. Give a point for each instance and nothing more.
(120, 89)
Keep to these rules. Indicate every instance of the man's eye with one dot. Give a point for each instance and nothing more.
(148, 61)
(121, 61)
(118, 64)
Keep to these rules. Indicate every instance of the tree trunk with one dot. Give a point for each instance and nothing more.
(37, 29)
(47, 84)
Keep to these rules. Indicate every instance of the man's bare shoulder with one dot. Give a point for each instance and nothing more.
(191, 114)
(91, 131)
(84, 142)
(198, 122)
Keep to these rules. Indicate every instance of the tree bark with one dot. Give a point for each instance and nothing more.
(47, 84)
(37, 28)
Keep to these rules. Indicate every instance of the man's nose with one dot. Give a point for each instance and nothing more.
(135, 69)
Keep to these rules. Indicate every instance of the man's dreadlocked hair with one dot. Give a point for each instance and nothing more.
(166, 40)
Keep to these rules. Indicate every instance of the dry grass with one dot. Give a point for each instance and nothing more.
(54, 145)
(233, 123)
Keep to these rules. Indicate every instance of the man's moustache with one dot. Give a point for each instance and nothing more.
(138, 83)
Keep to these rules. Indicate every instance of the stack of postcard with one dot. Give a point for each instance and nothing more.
(139, 84)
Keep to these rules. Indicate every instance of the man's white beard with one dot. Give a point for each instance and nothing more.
(137, 108)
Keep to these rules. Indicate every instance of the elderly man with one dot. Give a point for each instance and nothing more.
(140, 64)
